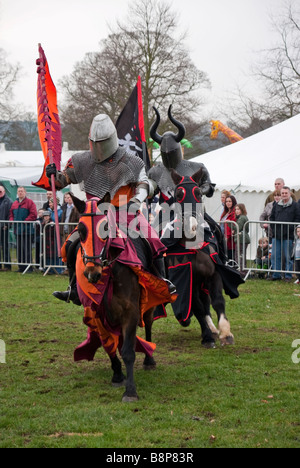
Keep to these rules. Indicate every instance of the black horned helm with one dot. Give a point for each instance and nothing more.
(169, 142)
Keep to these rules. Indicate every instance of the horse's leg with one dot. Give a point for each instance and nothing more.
(218, 303)
(201, 310)
(205, 299)
(124, 311)
(149, 362)
(203, 268)
(119, 378)
(128, 356)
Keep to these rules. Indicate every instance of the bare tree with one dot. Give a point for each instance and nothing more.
(246, 115)
(18, 128)
(278, 68)
(147, 44)
(22, 135)
(168, 74)
(9, 75)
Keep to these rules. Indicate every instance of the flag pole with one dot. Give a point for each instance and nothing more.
(49, 150)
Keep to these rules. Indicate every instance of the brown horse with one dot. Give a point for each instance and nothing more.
(207, 283)
(111, 294)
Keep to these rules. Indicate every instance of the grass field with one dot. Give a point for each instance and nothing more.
(241, 396)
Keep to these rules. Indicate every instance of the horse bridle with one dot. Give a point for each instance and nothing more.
(98, 260)
(185, 181)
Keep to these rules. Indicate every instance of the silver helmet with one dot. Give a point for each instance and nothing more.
(103, 138)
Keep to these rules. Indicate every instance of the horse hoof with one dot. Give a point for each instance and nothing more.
(118, 380)
(149, 367)
(228, 340)
(209, 345)
(130, 399)
(186, 323)
(119, 384)
(149, 363)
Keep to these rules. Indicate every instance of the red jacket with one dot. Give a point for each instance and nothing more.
(228, 231)
(24, 211)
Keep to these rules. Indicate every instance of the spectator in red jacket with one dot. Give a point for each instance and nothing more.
(23, 209)
(229, 215)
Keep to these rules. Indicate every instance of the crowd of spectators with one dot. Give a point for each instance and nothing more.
(279, 249)
(24, 226)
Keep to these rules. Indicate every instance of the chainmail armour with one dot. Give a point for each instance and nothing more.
(122, 169)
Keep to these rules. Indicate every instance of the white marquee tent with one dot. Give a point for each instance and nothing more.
(21, 168)
(250, 167)
(25, 167)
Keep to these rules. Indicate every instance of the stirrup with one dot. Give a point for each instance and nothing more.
(69, 290)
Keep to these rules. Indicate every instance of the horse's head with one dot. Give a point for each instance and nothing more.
(93, 233)
(188, 197)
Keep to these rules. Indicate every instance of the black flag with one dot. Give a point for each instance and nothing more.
(130, 125)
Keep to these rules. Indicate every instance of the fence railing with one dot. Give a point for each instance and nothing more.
(232, 240)
(29, 245)
(271, 251)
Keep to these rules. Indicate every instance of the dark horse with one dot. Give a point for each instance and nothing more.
(111, 294)
(207, 283)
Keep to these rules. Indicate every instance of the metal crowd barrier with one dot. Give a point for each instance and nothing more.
(30, 245)
(26, 246)
(16, 245)
(51, 261)
(277, 256)
(232, 243)
(270, 252)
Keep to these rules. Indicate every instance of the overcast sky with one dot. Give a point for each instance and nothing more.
(223, 36)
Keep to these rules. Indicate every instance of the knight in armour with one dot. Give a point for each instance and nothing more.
(108, 168)
(172, 158)
(160, 176)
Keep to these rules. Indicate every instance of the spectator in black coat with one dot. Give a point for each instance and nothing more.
(5, 205)
(50, 246)
(286, 211)
(49, 195)
(69, 215)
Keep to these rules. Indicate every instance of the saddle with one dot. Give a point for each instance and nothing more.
(143, 252)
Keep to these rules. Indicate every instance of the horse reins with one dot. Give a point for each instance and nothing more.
(98, 260)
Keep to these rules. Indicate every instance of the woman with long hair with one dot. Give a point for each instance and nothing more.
(227, 216)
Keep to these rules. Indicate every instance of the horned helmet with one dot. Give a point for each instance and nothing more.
(169, 142)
